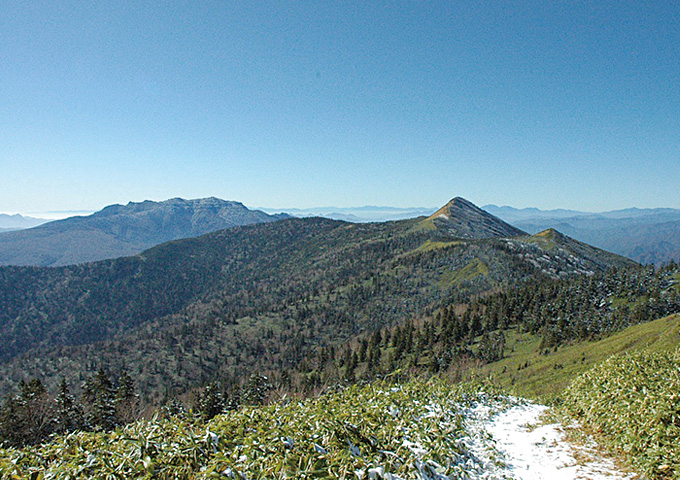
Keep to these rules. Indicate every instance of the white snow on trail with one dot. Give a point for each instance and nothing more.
(511, 442)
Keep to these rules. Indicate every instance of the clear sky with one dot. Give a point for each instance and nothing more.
(552, 104)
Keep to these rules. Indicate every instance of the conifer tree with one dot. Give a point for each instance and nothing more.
(210, 401)
(10, 422)
(37, 410)
(99, 397)
(68, 412)
(126, 400)
(256, 390)
(351, 367)
(27, 418)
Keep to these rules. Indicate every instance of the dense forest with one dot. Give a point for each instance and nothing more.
(560, 311)
(254, 298)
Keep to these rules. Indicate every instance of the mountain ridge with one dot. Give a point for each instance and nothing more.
(644, 235)
(509, 213)
(252, 296)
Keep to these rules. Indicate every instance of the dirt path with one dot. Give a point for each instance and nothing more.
(513, 443)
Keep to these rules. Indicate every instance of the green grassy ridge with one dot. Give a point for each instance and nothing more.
(402, 429)
(434, 245)
(632, 403)
(545, 377)
(473, 269)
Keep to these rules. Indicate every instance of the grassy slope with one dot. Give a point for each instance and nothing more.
(475, 268)
(623, 389)
(546, 376)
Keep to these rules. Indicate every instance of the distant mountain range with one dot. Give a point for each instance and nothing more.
(121, 230)
(260, 297)
(356, 214)
(18, 222)
(644, 235)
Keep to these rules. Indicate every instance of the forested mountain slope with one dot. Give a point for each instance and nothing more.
(520, 335)
(256, 297)
(121, 230)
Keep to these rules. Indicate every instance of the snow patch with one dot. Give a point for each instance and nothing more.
(512, 443)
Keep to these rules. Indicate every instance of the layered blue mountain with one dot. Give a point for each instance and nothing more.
(646, 235)
(363, 214)
(123, 230)
(18, 222)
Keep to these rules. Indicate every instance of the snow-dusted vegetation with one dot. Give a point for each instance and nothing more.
(360, 432)
(430, 430)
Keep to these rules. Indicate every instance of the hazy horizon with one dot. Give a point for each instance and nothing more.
(60, 215)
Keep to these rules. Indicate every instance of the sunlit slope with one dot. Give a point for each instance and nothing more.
(410, 431)
(528, 372)
(632, 403)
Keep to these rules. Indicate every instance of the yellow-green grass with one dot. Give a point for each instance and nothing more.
(424, 225)
(526, 372)
(545, 239)
(430, 245)
(475, 268)
(631, 403)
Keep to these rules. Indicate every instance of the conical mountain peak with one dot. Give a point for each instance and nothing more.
(462, 218)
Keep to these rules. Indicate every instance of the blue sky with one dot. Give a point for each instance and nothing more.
(299, 104)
